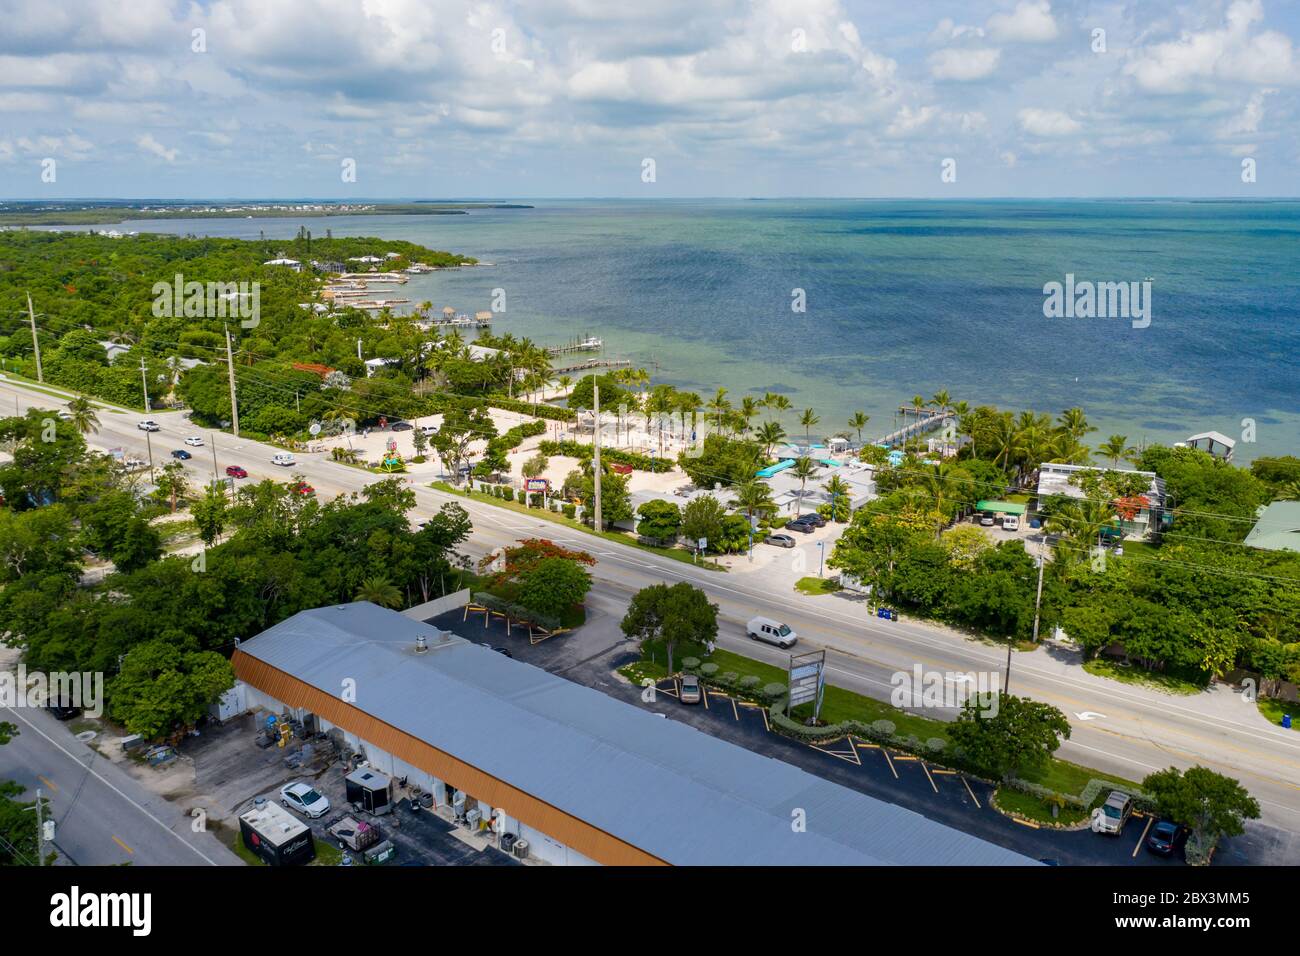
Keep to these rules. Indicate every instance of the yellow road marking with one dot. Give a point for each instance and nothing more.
(47, 783)
(124, 846)
(1150, 820)
(940, 770)
(971, 792)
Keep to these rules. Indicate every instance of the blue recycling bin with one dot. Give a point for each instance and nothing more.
(1286, 721)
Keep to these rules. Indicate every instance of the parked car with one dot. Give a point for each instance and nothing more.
(1010, 522)
(1115, 813)
(401, 426)
(690, 693)
(986, 519)
(798, 524)
(813, 518)
(148, 425)
(304, 798)
(62, 709)
(1166, 837)
(182, 454)
(780, 540)
(770, 631)
(284, 459)
(234, 471)
(428, 430)
(194, 441)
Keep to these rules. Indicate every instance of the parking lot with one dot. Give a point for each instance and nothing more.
(230, 772)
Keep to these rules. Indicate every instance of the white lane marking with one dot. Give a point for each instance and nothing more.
(73, 757)
(1089, 715)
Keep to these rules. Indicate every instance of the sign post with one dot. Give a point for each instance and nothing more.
(807, 681)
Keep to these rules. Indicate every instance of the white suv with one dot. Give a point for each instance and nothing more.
(149, 425)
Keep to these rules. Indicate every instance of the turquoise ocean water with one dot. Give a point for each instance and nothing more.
(903, 297)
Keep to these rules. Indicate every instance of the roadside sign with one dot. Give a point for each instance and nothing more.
(807, 680)
(702, 544)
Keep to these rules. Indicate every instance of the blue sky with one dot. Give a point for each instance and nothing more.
(564, 98)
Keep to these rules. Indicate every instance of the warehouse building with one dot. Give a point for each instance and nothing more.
(583, 777)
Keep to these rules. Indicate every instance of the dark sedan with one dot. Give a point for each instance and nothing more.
(813, 519)
(1166, 837)
(182, 454)
(798, 524)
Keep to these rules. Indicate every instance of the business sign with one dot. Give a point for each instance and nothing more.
(807, 679)
(702, 544)
(537, 484)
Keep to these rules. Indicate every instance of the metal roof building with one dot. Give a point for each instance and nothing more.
(607, 778)
(1278, 527)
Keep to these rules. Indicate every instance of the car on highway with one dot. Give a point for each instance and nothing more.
(148, 425)
(181, 454)
(194, 441)
(780, 540)
(304, 798)
(798, 524)
(234, 471)
(284, 459)
(690, 693)
(1166, 837)
(770, 632)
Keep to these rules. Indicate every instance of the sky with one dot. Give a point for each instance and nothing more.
(376, 99)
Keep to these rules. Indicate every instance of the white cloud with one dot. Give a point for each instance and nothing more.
(152, 146)
(1231, 53)
(1047, 123)
(964, 65)
(1030, 22)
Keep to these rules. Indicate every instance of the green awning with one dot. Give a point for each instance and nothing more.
(1000, 507)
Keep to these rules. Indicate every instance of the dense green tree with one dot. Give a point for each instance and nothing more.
(1021, 736)
(1201, 799)
(553, 586)
(677, 613)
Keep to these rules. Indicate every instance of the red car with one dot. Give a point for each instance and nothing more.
(302, 488)
(234, 471)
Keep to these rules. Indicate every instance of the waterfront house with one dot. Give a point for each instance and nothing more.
(1139, 517)
(1278, 527)
(1215, 443)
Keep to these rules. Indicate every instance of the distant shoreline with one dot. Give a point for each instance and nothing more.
(88, 214)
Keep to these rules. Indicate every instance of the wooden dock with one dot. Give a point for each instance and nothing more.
(589, 344)
(593, 363)
(928, 420)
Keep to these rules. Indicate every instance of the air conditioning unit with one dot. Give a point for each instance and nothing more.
(521, 849)
(473, 817)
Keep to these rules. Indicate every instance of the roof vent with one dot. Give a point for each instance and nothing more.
(420, 644)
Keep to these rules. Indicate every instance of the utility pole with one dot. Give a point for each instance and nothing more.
(36, 342)
(144, 385)
(40, 831)
(595, 450)
(148, 443)
(230, 366)
(1038, 601)
(213, 436)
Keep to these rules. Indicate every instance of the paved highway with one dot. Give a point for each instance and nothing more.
(1117, 728)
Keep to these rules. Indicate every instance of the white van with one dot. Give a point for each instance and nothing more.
(771, 632)
(283, 458)
(1010, 522)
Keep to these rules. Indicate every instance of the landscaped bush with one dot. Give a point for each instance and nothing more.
(1199, 848)
(936, 745)
(689, 664)
(750, 681)
(575, 449)
(774, 690)
(730, 677)
(508, 494)
(570, 510)
(885, 728)
(708, 670)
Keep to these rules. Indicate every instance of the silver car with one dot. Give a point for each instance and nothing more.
(304, 798)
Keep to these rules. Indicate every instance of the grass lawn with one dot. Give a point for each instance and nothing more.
(815, 586)
(1039, 811)
(1065, 777)
(1273, 709)
(675, 554)
(1157, 680)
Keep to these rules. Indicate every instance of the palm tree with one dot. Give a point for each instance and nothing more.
(565, 382)
(804, 468)
(770, 433)
(747, 411)
(941, 400)
(82, 415)
(379, 590)
(837, 488)
(754, 497)
(776, 402)
(688, 402)
(918, 403)
(719, 405)
(1074, 421)
(1116, 447)
(808, 419)
(859, 422)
